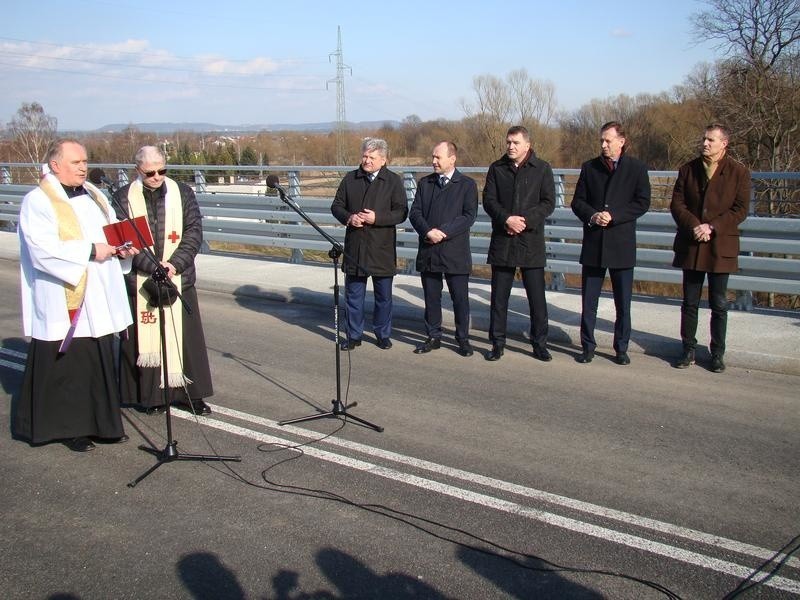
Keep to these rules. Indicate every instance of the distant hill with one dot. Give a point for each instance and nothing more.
(250, 128)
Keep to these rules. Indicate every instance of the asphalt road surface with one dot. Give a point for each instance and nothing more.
(515, 479)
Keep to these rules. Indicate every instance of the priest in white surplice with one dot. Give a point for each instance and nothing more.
(73, 302)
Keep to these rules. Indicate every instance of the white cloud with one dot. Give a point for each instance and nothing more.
(255, 66)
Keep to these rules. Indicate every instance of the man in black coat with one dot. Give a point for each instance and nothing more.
(444, 209)
(613, 190)
(371, 201)
(519, 196)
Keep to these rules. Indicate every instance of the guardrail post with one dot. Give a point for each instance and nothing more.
(5, 175)
(410, 185)
(297, 257)
(199, 182)
(294, 183)
(557, 280)
(559, 180)
(744, 300)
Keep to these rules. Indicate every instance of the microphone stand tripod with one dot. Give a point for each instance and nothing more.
(170, 452)
(339, 409)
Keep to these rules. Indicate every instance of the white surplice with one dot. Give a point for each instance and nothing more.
(46, 261)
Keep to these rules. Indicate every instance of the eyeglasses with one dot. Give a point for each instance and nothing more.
(151, 173)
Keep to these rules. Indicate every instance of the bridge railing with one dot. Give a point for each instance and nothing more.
(770, 247)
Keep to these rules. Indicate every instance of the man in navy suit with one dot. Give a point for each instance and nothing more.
(444, 209)
(613, 190)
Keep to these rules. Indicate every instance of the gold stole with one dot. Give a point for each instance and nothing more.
(147, 318)
(69, 228)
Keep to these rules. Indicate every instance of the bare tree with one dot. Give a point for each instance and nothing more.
(533, 101)
(33, 131)
(517, 100)
(759, 31)
(756, 87)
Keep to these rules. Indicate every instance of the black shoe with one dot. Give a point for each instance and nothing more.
(717, 366)
(586, 357)
(686, 360)
(384, 343)
(542, 353)
(348, 345)
(154, 410)
(120, 440)
(623, 358)
(464, 349)
(80, 444)
(200, 407)
(196, 406)
(428, 345)
(495, 353)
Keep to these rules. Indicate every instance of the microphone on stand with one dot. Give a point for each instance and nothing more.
(98, 176)
(273, 183)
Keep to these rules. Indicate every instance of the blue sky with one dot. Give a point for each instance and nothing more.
(95, 62)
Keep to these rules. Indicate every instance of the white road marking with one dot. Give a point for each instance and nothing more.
(631, 541)
(570, 503)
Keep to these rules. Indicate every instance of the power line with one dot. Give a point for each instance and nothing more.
(169, 81)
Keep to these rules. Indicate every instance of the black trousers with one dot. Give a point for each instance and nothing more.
(622, 287)
(458, 284)
(718, 302)
(502, 281)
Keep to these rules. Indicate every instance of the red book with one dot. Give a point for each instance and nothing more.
(119, 233)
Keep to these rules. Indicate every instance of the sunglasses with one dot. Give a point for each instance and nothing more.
(151, 173)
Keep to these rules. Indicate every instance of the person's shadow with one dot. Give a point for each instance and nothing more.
(537, 581)
(354, 580)
(206, 578)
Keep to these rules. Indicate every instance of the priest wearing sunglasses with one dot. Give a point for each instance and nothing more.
(175, 222)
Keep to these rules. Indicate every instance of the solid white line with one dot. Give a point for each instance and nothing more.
(624, 539)
(542, 496)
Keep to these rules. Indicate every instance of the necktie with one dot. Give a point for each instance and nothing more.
(443, 180)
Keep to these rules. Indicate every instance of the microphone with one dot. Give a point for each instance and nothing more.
(273, 184)
(98, 176)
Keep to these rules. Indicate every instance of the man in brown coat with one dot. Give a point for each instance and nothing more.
(709, 202)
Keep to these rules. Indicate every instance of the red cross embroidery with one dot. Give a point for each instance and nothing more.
(147, 317)
(173, 237)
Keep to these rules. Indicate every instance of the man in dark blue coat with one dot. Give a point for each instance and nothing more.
(519, 195)
(444, 209)
(371, 201)
(613, 190)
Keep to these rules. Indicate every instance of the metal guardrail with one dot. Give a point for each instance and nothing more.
(774, 194)
(770, 260)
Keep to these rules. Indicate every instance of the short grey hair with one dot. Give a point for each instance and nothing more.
(56, 150)
(149, 154)
(375, 144)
